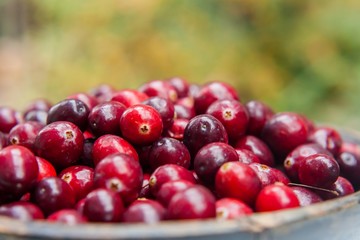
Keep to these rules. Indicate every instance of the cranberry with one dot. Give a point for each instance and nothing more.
(46, 169)
(39, 104)
(209, 159)
(177, 129)
(170, 189)
(104, 118)
(129, 97)
(143, 153)
(187, 102)
(8, 119)
(285, 131)
(185, 112)
(67, 216)
(350, 147)
(86, 157)
(120, 173)
(196, 202)
(231, 208)
(24, 134)
(259, 113)
(212, 92)
(265, 174)
(340, 188)
(79, 206)
(61, 143)
(103, 205)
(89, 100)
(70, 110)
(141, 124)
(201, 130)
(102, 92)
(24, 211)
(52, 194)
(280, 176)
(349, 162)
(305, 196)
(328, 138)
(165, 107)
(237, 180)
(36, 116)
(145, 187)
(233, 115)
(160, 89)
(19, 170)
(247, 156)
(80, 179)
(144, 211)
(180, 85)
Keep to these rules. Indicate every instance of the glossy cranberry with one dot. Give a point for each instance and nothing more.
(168, 151)
(9, 117)
(292, 161)
(160, 89)
(166, 173)
(120, 173)
(246, 156)
(40, 104)
(107, 145)
(52, 194)
(70, 110)
(19, 170)
(86, 157)
(177, 129)
(46, 169)
(319, 170)
(61, 143)
(276, 197)
(184, 112)
(103, 205)
(196, 202)
(180, 85)
(328, 138)
(102, 93)
(209, 159)
(90, 101)
(165, 107)
(104, 118)
(259, 113)
(170, 189)
(231, 208)
(349, 162)
(67, 216)
(201, 130)
(145, 187)
(212, 92)
(24, 211)
(258, 147)
(280, 176)
(232, 114)
(36, 116)
(285, 131)
(264, 173)
(144, 211)
(305, 196)
(129, 97)
(340, 188)
(24, 134)
(80, 178)
(237, 180)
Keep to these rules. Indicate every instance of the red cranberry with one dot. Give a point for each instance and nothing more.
(24, 211)
(180, 85)
(36, 116)
(145, 187)
(305, 196)
(160, 89)
(8, 119)
(141, 124)
(259, 113)
(340, 188)
(231, 208)
(61, 143)
(237, 180)
(165, 107)
(79, 206)
(196, 202)
(46, 169)
(38, 105)
(105, 118)
(24, 134)
(67, 216)
(209, 159)
(177, 129)
(103, 205)
(144, 211)
(129, 97)
(102, 92)
(86, 157)
(120, 173)
(90, 101)
(265, 174)
(70, 110)
(280, 176)
(19, 170)
(328, 138)
(246, 156)
(349, 162)
(182, 111)
(233, 115)
(201, 130)
(170, 189)
(276, 197)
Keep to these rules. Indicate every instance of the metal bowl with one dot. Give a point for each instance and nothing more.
(332, 219)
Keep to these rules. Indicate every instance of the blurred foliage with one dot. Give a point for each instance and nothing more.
(295, 55)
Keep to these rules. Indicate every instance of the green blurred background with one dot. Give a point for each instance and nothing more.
(299, 56)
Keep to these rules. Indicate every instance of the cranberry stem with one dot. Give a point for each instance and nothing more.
(314, 188)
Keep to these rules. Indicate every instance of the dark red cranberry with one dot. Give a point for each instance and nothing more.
(184, 112)
(165, 107)
(144, 211)
(196, 202)
(61, 143)
(110, 144)
(40, 104)
(212, 92)
(209, 159)
(168, 151)
(319, 170)
(231, 208)
(201, 130)
(70, 110)
(259, 113)
(102, 93)
(170, 189)
(166, 173)
(283, 132)
(86, 157)
(349, 162)
(145, 187)
(9, 117)
(24, 211)
(24, 134)
(80, 178)
(160, 89)
(258, 147)
(180, 85)
(120, 173)
(36, 116)
(90, 101)
(237, 180)
(46, 169)
(104, 118)
(276, 197)
(67, 216)
(177, 129)
(340, 188)
(143, 153)
(328, 138)
(246, 156)
(52, 194)
(103, 205)
(233, 115)
(129, 97)
(18, 171)
(305, 196)
(265, 174)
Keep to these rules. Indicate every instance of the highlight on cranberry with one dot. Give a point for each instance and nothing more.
(168, 150)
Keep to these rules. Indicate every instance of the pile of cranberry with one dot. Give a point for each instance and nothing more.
(169, 150)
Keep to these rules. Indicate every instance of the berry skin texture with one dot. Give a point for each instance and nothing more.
(231, 208)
